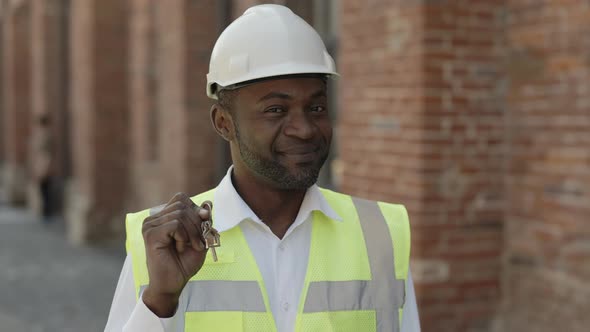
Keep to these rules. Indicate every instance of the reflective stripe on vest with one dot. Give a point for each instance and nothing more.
(385, 294)
(223, 295)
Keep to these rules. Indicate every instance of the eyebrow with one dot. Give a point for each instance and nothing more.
(319, 93)
(281, 95)
(272, 95)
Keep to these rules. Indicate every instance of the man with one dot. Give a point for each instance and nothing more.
(293, 257)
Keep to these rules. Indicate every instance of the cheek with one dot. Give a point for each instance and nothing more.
(262, 137)
(326, 130)
(269, 132)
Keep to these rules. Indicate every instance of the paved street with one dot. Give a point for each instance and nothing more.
(47, 284)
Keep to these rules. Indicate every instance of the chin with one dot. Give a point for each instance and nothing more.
(299, 180)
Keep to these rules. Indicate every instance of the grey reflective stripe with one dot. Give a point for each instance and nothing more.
(222, 295)
(217, 295)
(384, 293)
(338, 295)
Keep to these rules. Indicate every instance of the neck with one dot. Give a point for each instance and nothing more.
(277, 208)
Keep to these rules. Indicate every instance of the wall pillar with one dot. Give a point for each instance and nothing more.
(97, 196)
(17, 99)
(49, 95)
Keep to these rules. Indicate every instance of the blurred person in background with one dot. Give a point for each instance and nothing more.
(293, 256)
(42, 165)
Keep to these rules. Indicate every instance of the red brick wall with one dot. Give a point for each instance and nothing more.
(463, 125)
(202, 25)
(171, 96)
(144, 83)
(16, 98)
(548, 180)
(21, 80)
(185, 136)
(81, 102)
(303, 8)
(111, 113)
(100, 118)
(381, 101)
(421, 124)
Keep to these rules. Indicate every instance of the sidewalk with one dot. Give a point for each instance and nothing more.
(47, 284)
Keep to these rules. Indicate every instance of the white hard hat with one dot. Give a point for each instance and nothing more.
(266, 41)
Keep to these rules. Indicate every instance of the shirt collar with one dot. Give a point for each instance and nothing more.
(230, 209)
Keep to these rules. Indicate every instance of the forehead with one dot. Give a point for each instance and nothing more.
(288, 88)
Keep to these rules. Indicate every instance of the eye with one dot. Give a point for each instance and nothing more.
(274, 109)
(318, 109)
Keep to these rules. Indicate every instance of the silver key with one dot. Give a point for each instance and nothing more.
(211, 236)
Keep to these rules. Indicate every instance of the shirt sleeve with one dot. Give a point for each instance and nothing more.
(410, 320)
(129, 315)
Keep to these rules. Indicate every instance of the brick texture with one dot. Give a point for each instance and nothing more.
(201, 24)
(303, 8)
(17, 99)
(144, 91)
(463, 128)
(101, 119)
(186, 138)
(422, 124)
(548, 177)
(172, 117)
(380, 117)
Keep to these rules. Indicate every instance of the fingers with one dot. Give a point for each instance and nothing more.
(176, 231)
(179, 221)
(180, 197)
(205, 210)
(190, 221)
(167, 209)
(171, 232)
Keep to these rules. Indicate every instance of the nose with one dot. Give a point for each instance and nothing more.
(299, 125)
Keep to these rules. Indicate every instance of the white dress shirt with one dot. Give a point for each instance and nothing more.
(282, 263)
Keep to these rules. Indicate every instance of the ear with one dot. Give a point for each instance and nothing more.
(222, 122)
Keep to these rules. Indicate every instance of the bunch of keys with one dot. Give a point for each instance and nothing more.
(210, 234)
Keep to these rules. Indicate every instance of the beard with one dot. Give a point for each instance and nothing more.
(280, 175)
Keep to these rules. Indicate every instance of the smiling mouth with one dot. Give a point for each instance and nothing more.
(301, 155)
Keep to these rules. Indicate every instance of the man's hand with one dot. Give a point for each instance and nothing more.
(175, 252)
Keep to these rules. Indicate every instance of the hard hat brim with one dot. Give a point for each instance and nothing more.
(214, 88)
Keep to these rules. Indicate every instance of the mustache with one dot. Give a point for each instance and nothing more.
(302, 148)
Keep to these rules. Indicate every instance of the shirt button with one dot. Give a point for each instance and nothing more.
(281, 247)
(285, 306)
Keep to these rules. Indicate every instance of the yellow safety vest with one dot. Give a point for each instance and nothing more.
(355, 279)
